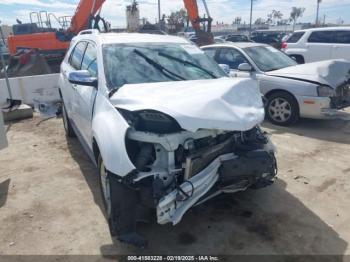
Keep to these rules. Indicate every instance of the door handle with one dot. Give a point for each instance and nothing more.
(74, 87)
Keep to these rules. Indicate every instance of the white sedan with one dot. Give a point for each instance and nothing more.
(316, 90)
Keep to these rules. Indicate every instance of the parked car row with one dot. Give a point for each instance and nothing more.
(272, 38)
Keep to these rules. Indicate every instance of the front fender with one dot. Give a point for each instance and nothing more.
(109, 129)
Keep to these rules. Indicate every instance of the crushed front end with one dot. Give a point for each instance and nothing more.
(177, 169)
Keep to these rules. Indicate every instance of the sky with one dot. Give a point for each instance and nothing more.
(220, 10)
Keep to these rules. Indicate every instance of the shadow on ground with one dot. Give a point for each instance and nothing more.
(4, 188)
(336, 130)
(266, 221)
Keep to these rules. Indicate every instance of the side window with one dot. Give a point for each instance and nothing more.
(90, 60)
(233, 39)
(295, 37)
(231, 57)
(321, 37)
(210, 52)
(77, 55)
(342, 37)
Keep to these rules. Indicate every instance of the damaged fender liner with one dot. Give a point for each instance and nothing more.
(230, 173)
(126, 210)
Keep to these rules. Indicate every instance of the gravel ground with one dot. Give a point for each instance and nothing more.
(50, 202)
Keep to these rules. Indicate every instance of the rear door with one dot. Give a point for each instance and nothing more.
(341, 46)
(74, 63)
(319, 46)
(85, 95)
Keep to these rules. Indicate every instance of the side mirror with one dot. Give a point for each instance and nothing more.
(225, 68)
(245, 67)
(82, 77)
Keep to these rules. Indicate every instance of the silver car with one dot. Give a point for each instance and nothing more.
(316, 90)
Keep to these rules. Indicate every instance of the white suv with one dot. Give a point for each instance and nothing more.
(318, 44)
(164, 124)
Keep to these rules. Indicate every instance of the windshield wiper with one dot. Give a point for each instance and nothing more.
(159, 67)
(188, 63)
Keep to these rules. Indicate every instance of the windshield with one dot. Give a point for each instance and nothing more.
(268, 58)
(153, 62)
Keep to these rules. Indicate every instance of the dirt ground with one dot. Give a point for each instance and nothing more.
(50, 201)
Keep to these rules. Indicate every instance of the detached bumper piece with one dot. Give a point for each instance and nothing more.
(228, 173)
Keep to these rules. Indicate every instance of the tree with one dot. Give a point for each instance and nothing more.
(176, 20)
(273, 16)
(178, 17)
(260, 21)
(295, 14)
(237, 20)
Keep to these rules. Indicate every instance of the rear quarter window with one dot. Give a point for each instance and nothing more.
(295, 37)
(342, 37)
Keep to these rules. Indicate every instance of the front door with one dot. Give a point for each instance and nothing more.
(85, 95)
(233, 58)
(74, 63)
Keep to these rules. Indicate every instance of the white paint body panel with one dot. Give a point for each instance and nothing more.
(331, 72)
(222, 104)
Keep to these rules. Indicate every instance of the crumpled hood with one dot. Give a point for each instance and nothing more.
(223, 104)
(331, 72)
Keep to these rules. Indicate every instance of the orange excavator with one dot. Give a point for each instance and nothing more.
(47, 40)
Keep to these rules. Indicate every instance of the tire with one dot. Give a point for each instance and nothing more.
(298, 58)
(66, 123)
(282, 109)
(120, 204)
(103, 179)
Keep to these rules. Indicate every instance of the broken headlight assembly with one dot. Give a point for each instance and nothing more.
(151, 121)
(325, 91)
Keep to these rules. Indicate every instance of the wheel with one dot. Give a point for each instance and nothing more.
(282, 109)
(66, 123)
(105, 187)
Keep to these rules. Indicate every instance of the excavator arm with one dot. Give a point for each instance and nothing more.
(86, 10)
(204, 35)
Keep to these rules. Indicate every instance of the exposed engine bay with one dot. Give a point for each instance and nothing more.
(177, 169)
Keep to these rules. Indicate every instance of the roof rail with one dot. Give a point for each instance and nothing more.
(89, 32)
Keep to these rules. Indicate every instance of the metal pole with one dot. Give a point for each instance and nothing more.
(251, 17)
(5, 66)
(318, 9)
(206, 8)
(160, 26)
